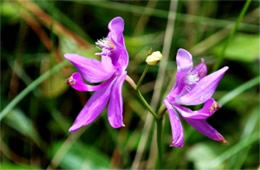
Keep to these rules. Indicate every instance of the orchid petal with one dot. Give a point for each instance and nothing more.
(76, 82)
(184, 62)
(92, 70)
(107, 62)
(176, 126)
(119, 55)
(204, 128)
(200, 69)
(203, 90)
(184, 65)
(93, 108)
(115, 107)
(209, 108)
(116, 28)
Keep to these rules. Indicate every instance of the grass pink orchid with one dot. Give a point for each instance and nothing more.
(193, 87)
(109, 72)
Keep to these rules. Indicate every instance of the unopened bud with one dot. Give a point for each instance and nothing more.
(154, 58)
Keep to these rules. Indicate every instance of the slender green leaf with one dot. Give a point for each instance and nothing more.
(81, 156)
(239, 90)
(20, 122)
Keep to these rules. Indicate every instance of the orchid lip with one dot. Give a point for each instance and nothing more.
(193, 87)
(214, 107)
(109, 73)
(71, 81)
(192, 78)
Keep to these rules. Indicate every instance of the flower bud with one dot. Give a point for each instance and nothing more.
(154, 58)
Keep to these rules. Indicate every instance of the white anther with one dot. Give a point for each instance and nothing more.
(191, 78)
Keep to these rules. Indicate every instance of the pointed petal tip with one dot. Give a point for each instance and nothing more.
(72, 129)
(224, 141)
(225, 68)
(68, 56)
(70, 81)
(177, 145)
(117, 126)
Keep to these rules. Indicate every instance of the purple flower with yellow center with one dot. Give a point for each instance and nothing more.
(193, 87)
(109, 72)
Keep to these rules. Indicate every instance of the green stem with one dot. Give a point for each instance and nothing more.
(141, 97)
(159, 142)
(240, 17)
(142, 76)
(159, 121)
(29, 88)
(161, 111)
(146, 104)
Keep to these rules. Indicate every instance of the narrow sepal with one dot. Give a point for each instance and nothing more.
(115, 107)
(176, 126)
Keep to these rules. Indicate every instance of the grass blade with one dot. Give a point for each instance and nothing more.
(29, 88)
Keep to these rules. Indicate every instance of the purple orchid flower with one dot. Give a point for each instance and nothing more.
(109, 72)
(193, 87)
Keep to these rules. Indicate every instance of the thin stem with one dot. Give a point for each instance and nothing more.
(159, 142)
(131, 82)
(142, 76)
(231, 35)
(146, 104)
(161, 111)
(29, 88)
(159, 121)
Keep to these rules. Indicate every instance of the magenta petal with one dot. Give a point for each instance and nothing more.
(93, 108)
(115, 107)
(203, 90)
(176, 126)
(76, 82)
(209, 108)
(116, 24)
(119, 55)
(92, 70)
(200, 69)
(184, 62)
(184, 65)
(107, 62)
(116, 28)
(204, 128)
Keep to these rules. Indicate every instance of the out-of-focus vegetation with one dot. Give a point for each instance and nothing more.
(36, 34)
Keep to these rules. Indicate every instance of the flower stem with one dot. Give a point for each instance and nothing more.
(142, 76)
(161, 111)
(146, 104)
(29, 88)
(141, 97)
(159, 142)
(158, 117)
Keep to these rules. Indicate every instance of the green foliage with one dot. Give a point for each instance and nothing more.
(244, 48)
(81, 156)
(16, 166)
(20, 122)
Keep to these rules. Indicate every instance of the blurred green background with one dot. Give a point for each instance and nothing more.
(36, 34)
